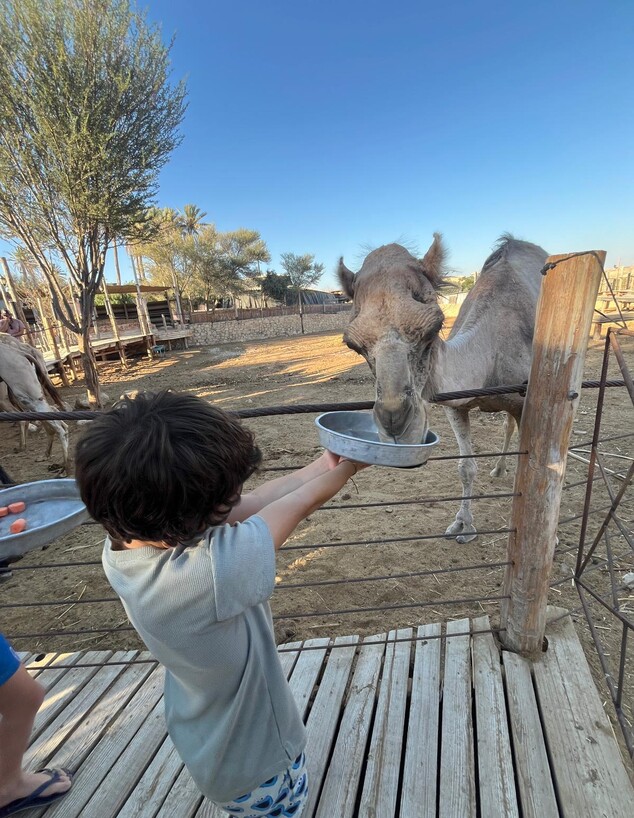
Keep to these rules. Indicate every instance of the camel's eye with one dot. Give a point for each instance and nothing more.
(419, 297)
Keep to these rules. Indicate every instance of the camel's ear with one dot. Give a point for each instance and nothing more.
(433, 263)
(346, 277)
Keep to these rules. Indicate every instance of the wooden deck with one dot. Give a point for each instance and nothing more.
(409, 729)
(107, 344)
(102, 345)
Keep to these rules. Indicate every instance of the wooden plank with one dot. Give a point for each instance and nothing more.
(380, 785)
(495, 759)
(183, 799)
(590, 776)
(339, 795)
(73, 752)
(126, 772)
(78, 703)
(420, 773)
(155, 784)
(48, 662)
(457, 765)
(324, 714)
(306, 671)
(559, 347)
(288, 657)
(68, 683)
(536, 791)
(209, 810)
(104, 756)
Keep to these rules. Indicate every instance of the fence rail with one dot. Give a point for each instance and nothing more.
(243, 314)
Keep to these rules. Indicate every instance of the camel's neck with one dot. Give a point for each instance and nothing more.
(462, 362)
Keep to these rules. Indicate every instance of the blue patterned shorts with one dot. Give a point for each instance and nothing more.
(282, 796)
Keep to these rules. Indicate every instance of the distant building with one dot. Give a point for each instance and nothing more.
(621, 279)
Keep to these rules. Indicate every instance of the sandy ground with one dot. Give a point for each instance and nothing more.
(334, 556)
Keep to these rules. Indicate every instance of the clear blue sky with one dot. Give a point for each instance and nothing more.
(330, 126)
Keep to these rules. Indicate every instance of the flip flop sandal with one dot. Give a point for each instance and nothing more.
(35, 799)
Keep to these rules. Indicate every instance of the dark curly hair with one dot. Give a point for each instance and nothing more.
(163, 467)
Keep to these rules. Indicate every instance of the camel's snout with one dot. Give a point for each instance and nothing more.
(400, 421)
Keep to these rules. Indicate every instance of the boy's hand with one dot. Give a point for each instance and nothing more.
(332, 460)
(358, 466)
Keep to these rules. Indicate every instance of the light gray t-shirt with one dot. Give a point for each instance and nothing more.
(203, 612)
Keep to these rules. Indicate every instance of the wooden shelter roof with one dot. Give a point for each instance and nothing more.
(120, 289)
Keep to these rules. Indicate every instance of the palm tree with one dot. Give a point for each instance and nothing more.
(192, 219)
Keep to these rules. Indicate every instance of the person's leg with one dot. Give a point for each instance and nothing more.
(20, 699)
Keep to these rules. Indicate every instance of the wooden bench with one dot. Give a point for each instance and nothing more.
(610, 318)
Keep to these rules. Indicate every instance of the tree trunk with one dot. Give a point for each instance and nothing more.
(116, 262)
(89, 365)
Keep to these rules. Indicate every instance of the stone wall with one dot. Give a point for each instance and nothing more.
(255, 329)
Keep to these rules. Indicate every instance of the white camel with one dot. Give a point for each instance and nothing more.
(395, 326)
(23, 371)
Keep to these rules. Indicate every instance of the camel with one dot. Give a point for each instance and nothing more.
(395, 325)
(7, 405)
(23, 371)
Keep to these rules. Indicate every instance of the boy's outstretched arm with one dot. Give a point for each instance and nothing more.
(272, 490)
(284, 514)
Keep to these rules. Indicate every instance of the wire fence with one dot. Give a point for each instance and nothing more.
(582, 577)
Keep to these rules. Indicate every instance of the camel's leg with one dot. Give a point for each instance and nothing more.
(52, 427)
(509, 427)
(463, 526)
(55, 428)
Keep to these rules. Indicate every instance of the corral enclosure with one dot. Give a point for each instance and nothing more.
(374, 557)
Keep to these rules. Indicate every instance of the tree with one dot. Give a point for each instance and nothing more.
(275, 286)
(467, 282)
(88, 117)
(192, 220)
(243, 251)
(303, 272)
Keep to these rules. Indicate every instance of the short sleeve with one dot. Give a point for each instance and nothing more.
(243, 565)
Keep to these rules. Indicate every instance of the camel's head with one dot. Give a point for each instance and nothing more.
(395, 322)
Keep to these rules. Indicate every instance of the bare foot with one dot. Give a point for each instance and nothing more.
(29, 782)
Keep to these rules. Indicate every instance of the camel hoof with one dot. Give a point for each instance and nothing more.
(462, 532)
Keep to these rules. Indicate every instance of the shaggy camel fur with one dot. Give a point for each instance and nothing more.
(396, 323)
(23, 371)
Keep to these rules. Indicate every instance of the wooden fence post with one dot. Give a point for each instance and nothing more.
(564, 314)
(17, 304)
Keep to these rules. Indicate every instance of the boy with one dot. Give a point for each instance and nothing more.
(193, 561)
(20, 699)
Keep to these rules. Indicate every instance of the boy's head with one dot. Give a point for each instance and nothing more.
(163, 467)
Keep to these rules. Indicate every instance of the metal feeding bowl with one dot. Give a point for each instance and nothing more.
(53, 508)
(354, 435)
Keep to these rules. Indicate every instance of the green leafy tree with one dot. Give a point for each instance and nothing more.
(466, 283)
(242, 252)
(275, 286)
(303, 272)
(88, 117)
(192, 220)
